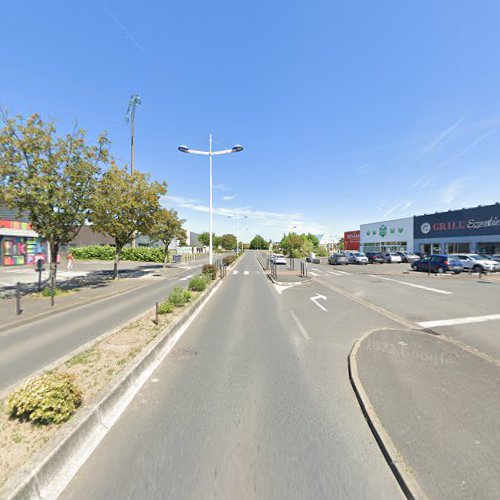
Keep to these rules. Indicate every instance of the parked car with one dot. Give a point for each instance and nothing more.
(496, 256)
(438, 264)
(375, 257)
(278, 258)
(338, 258)
(392, 258)
(408, 257)
(477, 264)
(357, 258)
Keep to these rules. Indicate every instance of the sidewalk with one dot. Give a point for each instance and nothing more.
(435, 406)
(100, 287)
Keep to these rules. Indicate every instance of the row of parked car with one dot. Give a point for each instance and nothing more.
(372, 258)
(437, 263)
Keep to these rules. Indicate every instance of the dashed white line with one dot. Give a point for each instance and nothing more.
(314, 269)
(235, 272)
(186, 278)
(428, 288)
(246, 272)
(459, 321)
(300, 326)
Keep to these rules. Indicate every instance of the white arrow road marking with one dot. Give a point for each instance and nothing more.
(281, 288)
(428, 288)
(318, 297)
(186, 278)
(459, 321)
(301, 327)
(246, 272)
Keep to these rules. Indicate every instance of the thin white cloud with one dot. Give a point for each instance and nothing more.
(362, 169)
(231, 197)
(475, 142)
(221, 187)
(424, 182)
(454, 189)
(441, 137)
(124, 30)
(398, 207)
(278, 220)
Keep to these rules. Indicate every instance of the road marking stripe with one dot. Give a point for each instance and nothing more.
(342, 272)
(186, 278)
(300, 326)
(314, 269)
(333, 273)
(428, 288)
(314, 274)
(458, 321)
(235, 272)
(246, 272)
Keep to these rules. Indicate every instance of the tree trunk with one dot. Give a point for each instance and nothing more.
(118, 250)
(165, 260)
(54, 251)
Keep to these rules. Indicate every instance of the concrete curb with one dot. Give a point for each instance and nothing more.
(281, 283)
(406, 480)
(26, 321)
(52, 468)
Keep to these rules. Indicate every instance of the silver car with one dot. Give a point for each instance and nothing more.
(477, 264)
(357, 258)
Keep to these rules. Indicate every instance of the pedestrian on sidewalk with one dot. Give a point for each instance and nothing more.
(70, 261)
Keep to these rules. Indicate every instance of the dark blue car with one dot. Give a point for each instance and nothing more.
(438, 264)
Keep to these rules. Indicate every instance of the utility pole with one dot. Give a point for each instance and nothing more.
(134, 101)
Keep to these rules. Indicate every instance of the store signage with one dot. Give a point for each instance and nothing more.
(351, 240)
(468, 222)
(383, 230)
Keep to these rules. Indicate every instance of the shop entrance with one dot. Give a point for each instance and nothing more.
(430, 248)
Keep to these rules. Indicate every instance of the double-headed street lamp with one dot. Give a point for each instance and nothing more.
(210, 153)
(237, 217)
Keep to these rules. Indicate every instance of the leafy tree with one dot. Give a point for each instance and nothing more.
(293, 244)
(258, 242)
(313, 239)
(124, 204)
(341, 244)
(50, 177)
(167, 227)
(204, 239)
(228, 241)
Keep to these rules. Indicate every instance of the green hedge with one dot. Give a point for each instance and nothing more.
(107, 252)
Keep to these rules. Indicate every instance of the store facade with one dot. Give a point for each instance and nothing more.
(387, 236)
(470, 230)
(19, 244)
(351, 240)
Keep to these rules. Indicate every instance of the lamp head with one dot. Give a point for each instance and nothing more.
(183, 149)
(236, 149)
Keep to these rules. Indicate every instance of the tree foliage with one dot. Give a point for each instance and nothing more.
(50, 177)
(228, 241)
(296, 245)
(258, 242)
(166, 228)
(124, 204)
(204, 239)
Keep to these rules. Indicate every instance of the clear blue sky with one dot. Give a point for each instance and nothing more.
(349, 112)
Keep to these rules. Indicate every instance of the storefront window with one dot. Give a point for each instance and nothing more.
(489, 248)
(430, 248)
(458, 248)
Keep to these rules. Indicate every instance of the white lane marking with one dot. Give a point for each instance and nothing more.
(342, 272)
(314, 274)
(459, 321)
(246, 272)
(281, 288)
(186, 278)
(318, 297)
(300, 326)
(315, 269)
(333, 273)
(428, 288)
(235, 272)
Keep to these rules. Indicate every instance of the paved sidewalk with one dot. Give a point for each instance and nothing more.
(439, 404)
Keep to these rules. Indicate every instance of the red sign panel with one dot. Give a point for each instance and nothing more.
(351, 240)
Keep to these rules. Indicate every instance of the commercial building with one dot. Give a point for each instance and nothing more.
(470, 230)
(329, 241)
(351, 240)
(387, 236)
(19, 244)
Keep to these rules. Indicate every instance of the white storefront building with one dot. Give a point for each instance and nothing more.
(387, 236)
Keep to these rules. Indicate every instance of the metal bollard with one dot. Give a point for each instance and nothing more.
(18, 300)
(52, 291)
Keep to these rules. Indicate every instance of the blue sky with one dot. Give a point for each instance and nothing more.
(349, 112)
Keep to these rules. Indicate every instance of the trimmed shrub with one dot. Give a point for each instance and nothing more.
(210, 270)
(47, 292)
(91, 252)
(107, 252)
(179, 296)
(165, 308)
(48, 399)
(229, 259)
(143, 254)
(198, 283)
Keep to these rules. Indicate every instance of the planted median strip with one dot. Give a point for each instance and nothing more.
(33, 413)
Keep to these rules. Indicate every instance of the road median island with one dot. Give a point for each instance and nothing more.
(433, 407)
(108, 374)
(285, 275)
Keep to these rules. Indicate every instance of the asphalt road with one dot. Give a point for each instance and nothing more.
(246, 406)
(30, 347)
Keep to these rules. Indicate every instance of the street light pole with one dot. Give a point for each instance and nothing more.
(210, 153)
(238, 227)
